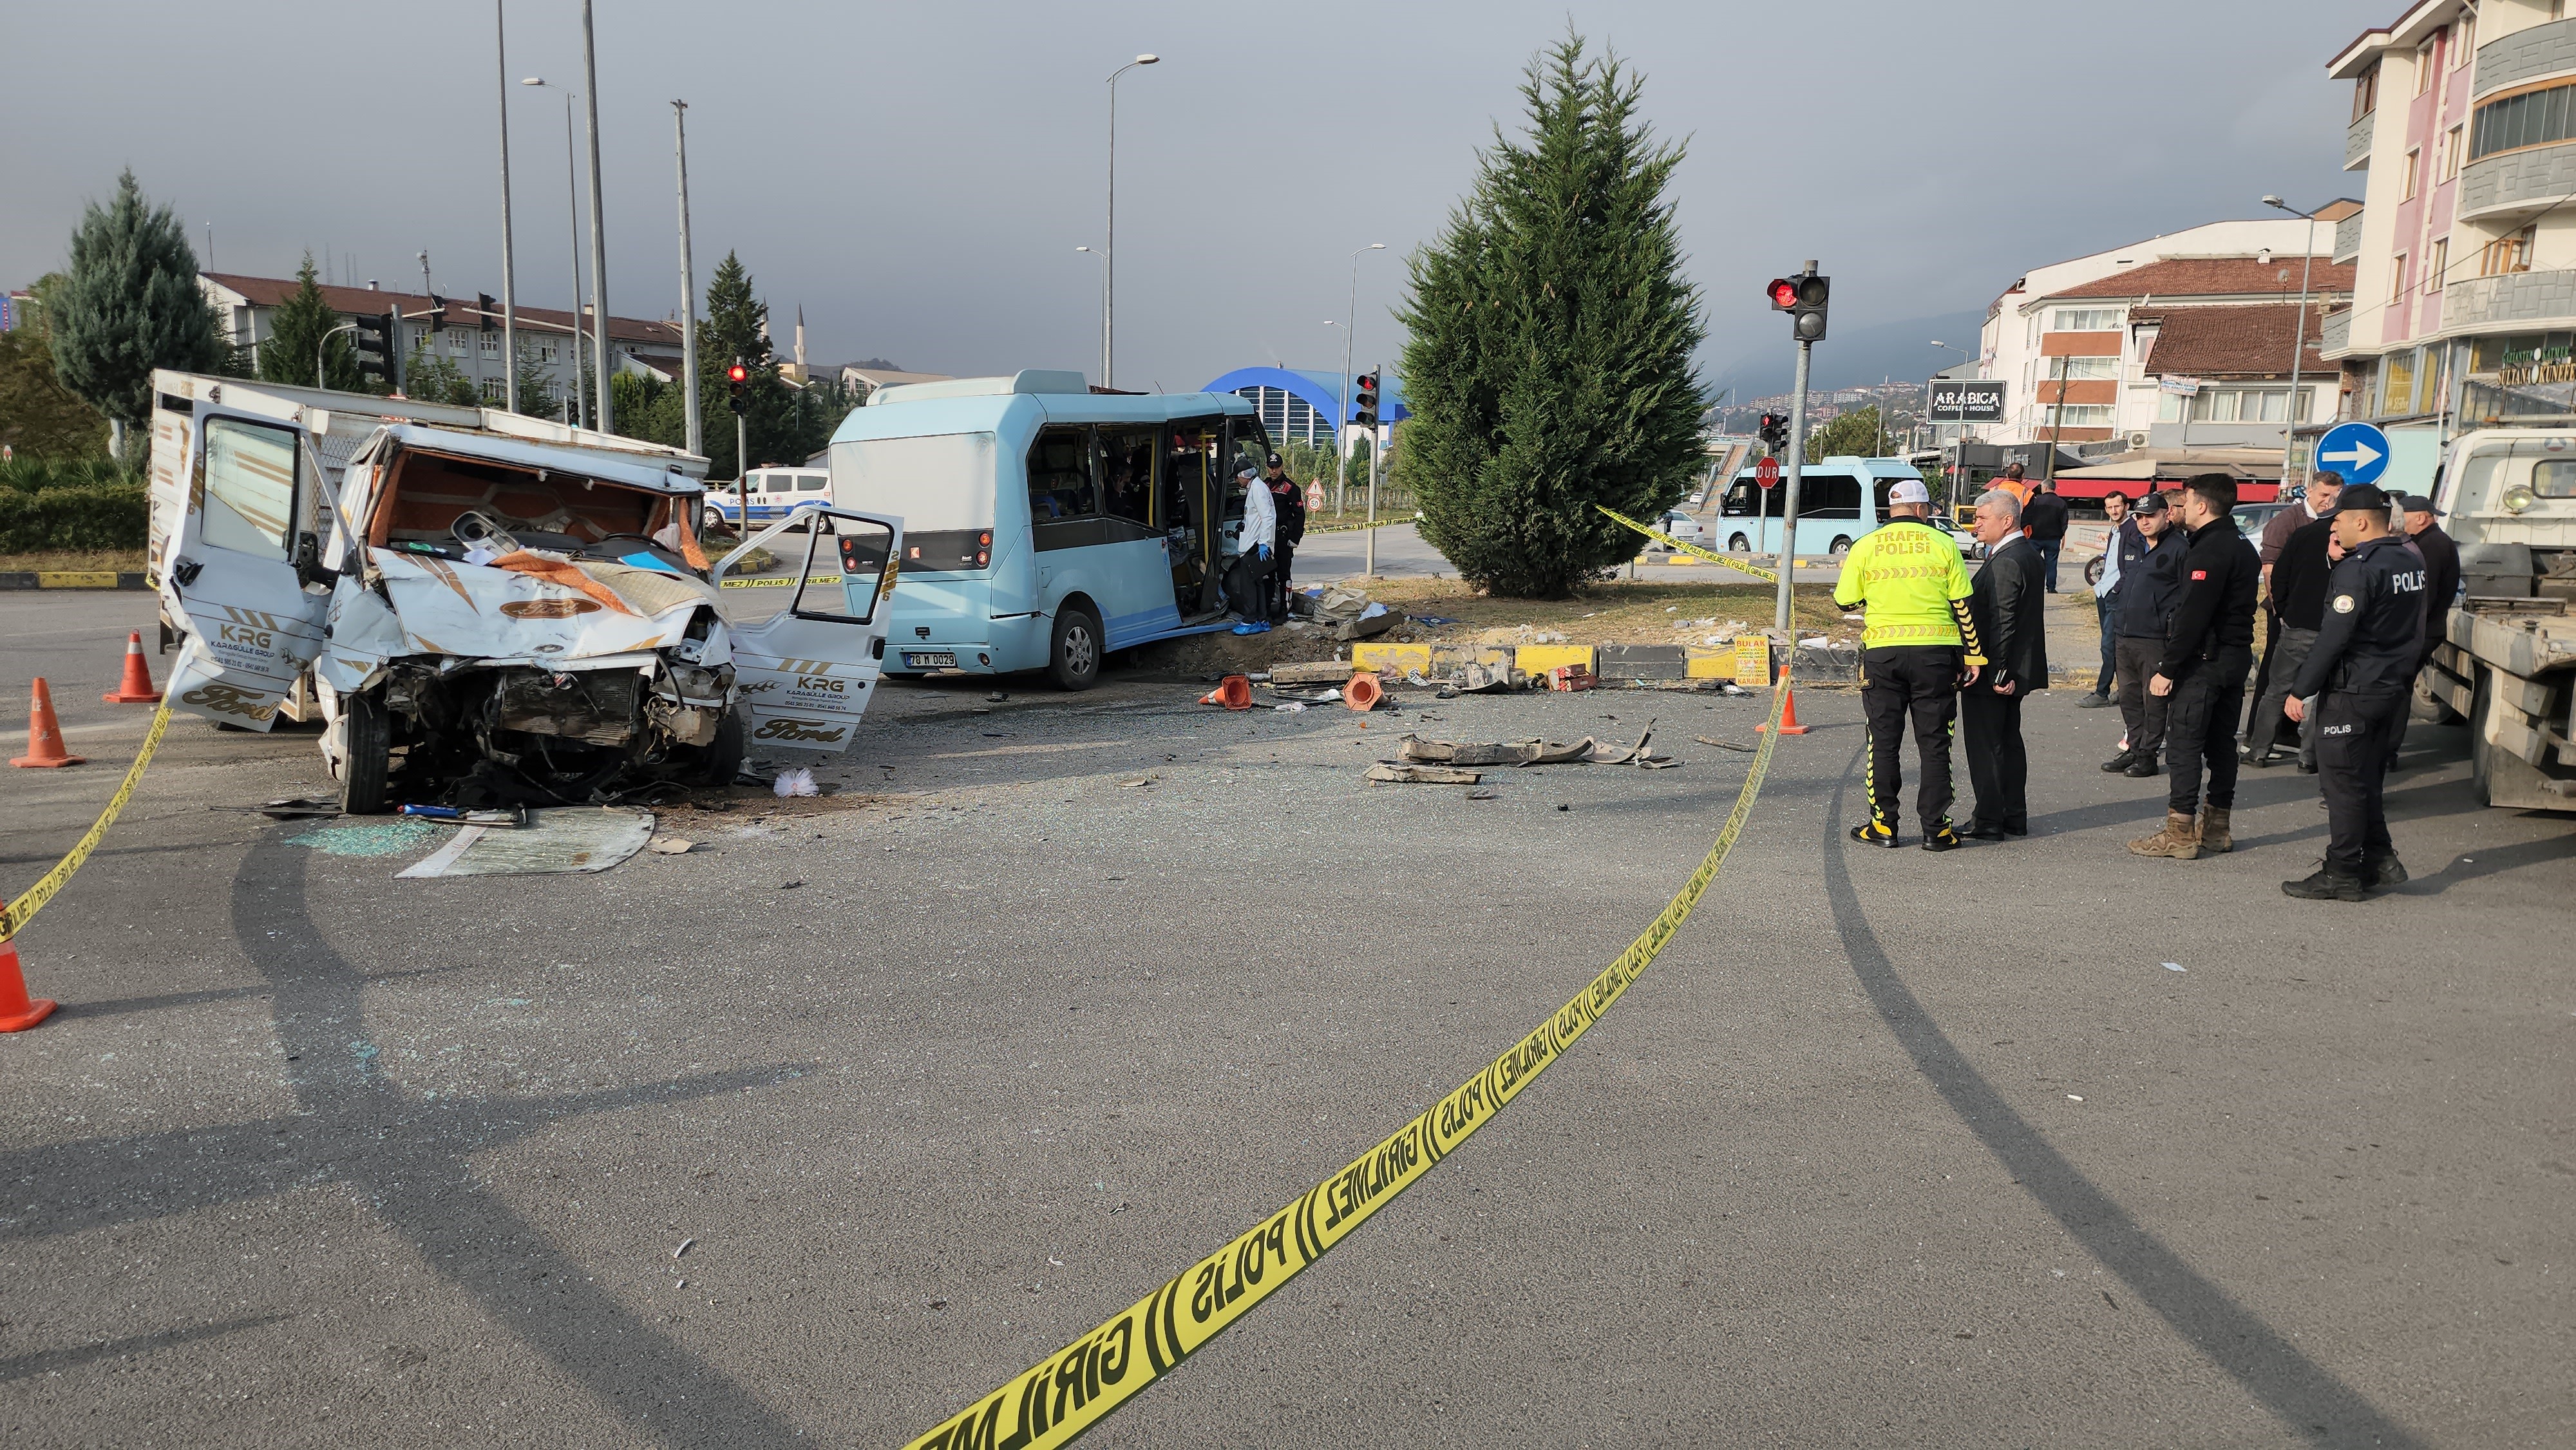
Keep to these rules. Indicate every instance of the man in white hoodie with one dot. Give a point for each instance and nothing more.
(1252, 565)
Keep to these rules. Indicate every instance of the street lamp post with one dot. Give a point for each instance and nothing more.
(692, 429)
(602, 408)
(1109, 244)
(1959, 463)
(509, 296)
(324, 346)
(1341, 425)
(576, 402)
(2299, 335)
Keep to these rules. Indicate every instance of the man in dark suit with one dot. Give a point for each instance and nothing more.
(2007, 600)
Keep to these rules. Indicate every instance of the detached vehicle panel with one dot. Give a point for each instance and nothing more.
(2507, 660)
(497, 618)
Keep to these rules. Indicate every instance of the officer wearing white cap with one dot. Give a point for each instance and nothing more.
(1917, 648)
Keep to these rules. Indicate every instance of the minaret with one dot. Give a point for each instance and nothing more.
(800, 342)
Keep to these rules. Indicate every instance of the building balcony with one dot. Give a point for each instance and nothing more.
(2530, 180)
(2525, 55)
(2508, 297)
(2356, 143)
(2335, 334)
(2347, 239)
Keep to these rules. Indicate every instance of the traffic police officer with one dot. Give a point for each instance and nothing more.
(1917, 649)
(2360, 673)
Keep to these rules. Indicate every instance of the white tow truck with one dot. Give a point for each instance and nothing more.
(482, 606)
(2508, 660)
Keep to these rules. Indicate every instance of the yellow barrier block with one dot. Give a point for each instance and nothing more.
(1538, 659)
(1702, 663)
(1397, 659)
(75, 578)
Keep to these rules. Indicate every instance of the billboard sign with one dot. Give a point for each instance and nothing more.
(1966, 400)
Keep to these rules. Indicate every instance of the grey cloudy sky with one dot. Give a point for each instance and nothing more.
(917, 176)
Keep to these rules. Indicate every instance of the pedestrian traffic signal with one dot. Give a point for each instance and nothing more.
(1775, 432)
(1364, 407)
(490, 309)
(372, 339)
(736, 378)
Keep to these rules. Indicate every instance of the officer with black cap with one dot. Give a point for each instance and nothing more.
(1290, 501)
(2360, 674)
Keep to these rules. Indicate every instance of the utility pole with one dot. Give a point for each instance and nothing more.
(2057, 429)
(601, 407)
(509, 301)
(688, 286)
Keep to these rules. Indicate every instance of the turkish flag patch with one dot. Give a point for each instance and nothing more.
(2200, 573)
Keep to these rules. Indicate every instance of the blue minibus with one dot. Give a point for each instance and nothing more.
(1839, 499)
(1045, 524)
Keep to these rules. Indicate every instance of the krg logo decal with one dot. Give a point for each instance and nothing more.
(788, 728)
(549, 608)
(230, 700)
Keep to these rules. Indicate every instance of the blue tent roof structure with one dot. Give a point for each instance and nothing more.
(1320, 391)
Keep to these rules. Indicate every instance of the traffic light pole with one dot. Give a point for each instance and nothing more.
(1378, 371)
(741, 476)
(1788, 558)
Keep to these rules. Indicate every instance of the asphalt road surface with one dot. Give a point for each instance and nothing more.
(1402, 552)
(931, 1077)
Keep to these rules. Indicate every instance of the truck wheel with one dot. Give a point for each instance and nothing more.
(367, 743)
(1073, 657)
(723, 758)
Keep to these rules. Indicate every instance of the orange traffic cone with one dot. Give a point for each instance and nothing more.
(1363, 692)
(17, 1012)
(1788, 716)
(1234, 692)
(136, 689)
(44, 735)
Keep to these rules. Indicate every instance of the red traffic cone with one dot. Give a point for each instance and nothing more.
(1788, 716)
(17, 1011)
(1234, 692)
(44, 735)
(136, 688)
(1363, 692)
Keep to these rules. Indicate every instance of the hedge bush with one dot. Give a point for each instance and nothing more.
(86, 504)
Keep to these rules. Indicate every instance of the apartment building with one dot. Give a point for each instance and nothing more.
(2465, 294)
(470, 337)
(2072, 339)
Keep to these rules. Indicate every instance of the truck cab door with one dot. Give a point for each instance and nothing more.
(248, 547)
(809, 639)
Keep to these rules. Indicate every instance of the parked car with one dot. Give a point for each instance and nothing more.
(1969, 548)
(1682, 526)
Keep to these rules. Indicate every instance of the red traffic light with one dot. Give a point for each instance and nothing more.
(737, 374)
(1784, 293)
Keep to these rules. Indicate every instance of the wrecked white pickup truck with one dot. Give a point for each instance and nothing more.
(489, 616)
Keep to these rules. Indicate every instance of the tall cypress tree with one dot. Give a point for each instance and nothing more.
(1549, 363)
(296, 339)
(130, 303)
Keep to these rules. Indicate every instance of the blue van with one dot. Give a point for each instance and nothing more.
(1839, 499)
(1044, 524)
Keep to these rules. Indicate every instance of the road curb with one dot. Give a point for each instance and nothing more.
(72, 579)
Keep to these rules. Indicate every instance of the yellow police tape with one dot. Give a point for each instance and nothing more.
(1765, 575)
(1057, 1399)
(17, 913)
(778, 583)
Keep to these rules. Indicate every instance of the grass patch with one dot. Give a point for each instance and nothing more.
(122, 560)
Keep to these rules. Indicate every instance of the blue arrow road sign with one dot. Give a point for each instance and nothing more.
(2358, 451)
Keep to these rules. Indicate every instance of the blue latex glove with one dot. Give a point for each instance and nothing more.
(1262, 551)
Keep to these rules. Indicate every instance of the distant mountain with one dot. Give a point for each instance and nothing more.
(1849, 356)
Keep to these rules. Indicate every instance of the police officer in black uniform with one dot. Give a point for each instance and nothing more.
(2360, 673)
(1291, 502)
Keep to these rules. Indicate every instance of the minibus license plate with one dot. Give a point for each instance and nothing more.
(930, 659)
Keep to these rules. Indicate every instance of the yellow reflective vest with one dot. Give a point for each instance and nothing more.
(1909, 577)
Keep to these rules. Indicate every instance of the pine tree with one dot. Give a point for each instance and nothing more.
(1549, 363)
(130, 304)
(780, 423)
(296, 339)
